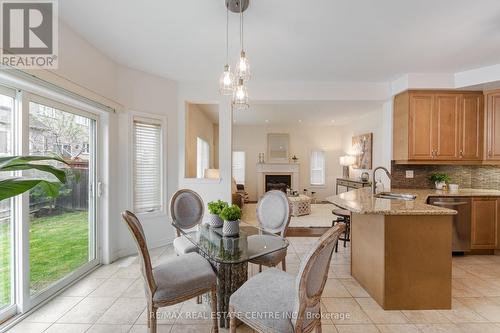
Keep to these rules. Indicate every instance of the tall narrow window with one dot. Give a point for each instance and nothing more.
(147, 165)
(318, 168)
(239, 167)
(202, 157)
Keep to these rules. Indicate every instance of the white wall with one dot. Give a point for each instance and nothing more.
(378, 122)
(86, 70)
(303, 140)
(143, 93)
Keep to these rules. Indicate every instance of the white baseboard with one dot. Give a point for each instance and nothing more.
(132, 250)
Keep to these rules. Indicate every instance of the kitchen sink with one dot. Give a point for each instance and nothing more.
(396, 196)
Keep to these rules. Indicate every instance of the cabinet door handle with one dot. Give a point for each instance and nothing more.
(461, 153)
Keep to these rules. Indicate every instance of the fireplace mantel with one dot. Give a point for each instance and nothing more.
(264, 169)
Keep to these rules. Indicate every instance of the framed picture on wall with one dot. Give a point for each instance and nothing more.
(362, 146)
(278, 150)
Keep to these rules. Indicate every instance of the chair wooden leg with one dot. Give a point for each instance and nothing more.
(283, 264)
(152, 319)
(318, 327)
(260, 268)
(232, 321)
(213, 301)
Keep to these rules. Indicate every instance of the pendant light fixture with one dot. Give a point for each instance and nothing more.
(240, 96)
(226, 81)
(243, 67)
(230, 84)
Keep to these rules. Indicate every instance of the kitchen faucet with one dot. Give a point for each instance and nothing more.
(374, 182)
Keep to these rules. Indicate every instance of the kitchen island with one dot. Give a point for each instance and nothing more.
(400, 250)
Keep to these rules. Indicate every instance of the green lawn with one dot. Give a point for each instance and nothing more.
(58, 245)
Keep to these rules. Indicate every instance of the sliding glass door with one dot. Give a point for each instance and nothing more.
(62, 229)
(46, 242)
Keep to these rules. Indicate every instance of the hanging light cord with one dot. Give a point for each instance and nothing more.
(227, 34)
(241, 24)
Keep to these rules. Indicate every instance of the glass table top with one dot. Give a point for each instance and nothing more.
(252, 242)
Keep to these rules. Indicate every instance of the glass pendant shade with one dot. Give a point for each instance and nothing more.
(240, 96)
(243, 67)
(226, 82)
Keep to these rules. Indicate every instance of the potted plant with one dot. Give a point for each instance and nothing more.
(231, 216)
(215, 208)
(440, 180)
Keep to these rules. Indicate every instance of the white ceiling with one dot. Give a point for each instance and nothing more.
(331, 113)
(293, 40)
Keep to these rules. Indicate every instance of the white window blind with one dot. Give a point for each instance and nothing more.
(202, 157)
(239, 167)
(318, 168)
(147, 166)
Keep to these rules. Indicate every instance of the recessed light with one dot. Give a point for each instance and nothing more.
(267, 120)
(332, 121)
(300, 120)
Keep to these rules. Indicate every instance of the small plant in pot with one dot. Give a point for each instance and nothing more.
(440, 180)
(231, 216)
(215, 208)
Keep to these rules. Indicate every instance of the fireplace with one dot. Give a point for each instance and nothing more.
(278, 182)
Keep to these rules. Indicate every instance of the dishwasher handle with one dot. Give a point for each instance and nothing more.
(449, 203)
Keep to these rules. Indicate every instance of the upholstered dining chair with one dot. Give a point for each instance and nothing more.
(273, 214)
(294, 302)
(176, 280)
(186, 210)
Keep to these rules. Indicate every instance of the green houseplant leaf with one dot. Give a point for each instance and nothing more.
(231, 213)
(14, 186)
(439, 177)
(11, 187)
(216, 207)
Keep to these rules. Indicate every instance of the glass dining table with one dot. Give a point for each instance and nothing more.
(229, 256)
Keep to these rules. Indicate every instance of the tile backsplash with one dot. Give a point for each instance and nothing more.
(467, 176)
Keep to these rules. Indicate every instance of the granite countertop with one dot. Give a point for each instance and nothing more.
(362, 201)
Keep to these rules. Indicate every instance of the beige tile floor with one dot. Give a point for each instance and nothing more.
(111, 300)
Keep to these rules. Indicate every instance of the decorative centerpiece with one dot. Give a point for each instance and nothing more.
(231, 216)
(440, 180)
(295, 159)
(215, 208)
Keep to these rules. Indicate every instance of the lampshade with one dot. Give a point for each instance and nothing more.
(212, 173)
(347, 160)
(226, 81)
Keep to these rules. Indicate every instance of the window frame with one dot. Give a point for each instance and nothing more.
(162, 121)
(207, 145)
(323, 185)
(244, 164)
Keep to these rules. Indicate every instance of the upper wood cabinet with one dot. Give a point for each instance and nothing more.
(438, 126)
(492, 147)
(471, 120)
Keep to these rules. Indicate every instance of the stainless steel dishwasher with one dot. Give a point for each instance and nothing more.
(461, 233)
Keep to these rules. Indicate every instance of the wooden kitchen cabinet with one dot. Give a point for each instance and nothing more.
(438, 127)
(492, 149)
(445, 126)
(484, 223)
(421, 125)
(471, 119)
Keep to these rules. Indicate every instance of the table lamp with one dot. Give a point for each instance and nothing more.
(346, 161)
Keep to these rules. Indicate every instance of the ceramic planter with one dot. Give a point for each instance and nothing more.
(439, 185)
(231, 228)
(215, 221)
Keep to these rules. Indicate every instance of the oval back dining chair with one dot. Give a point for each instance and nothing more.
(273, 213)
(176, 280)
(186, 210)
(294, 301)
